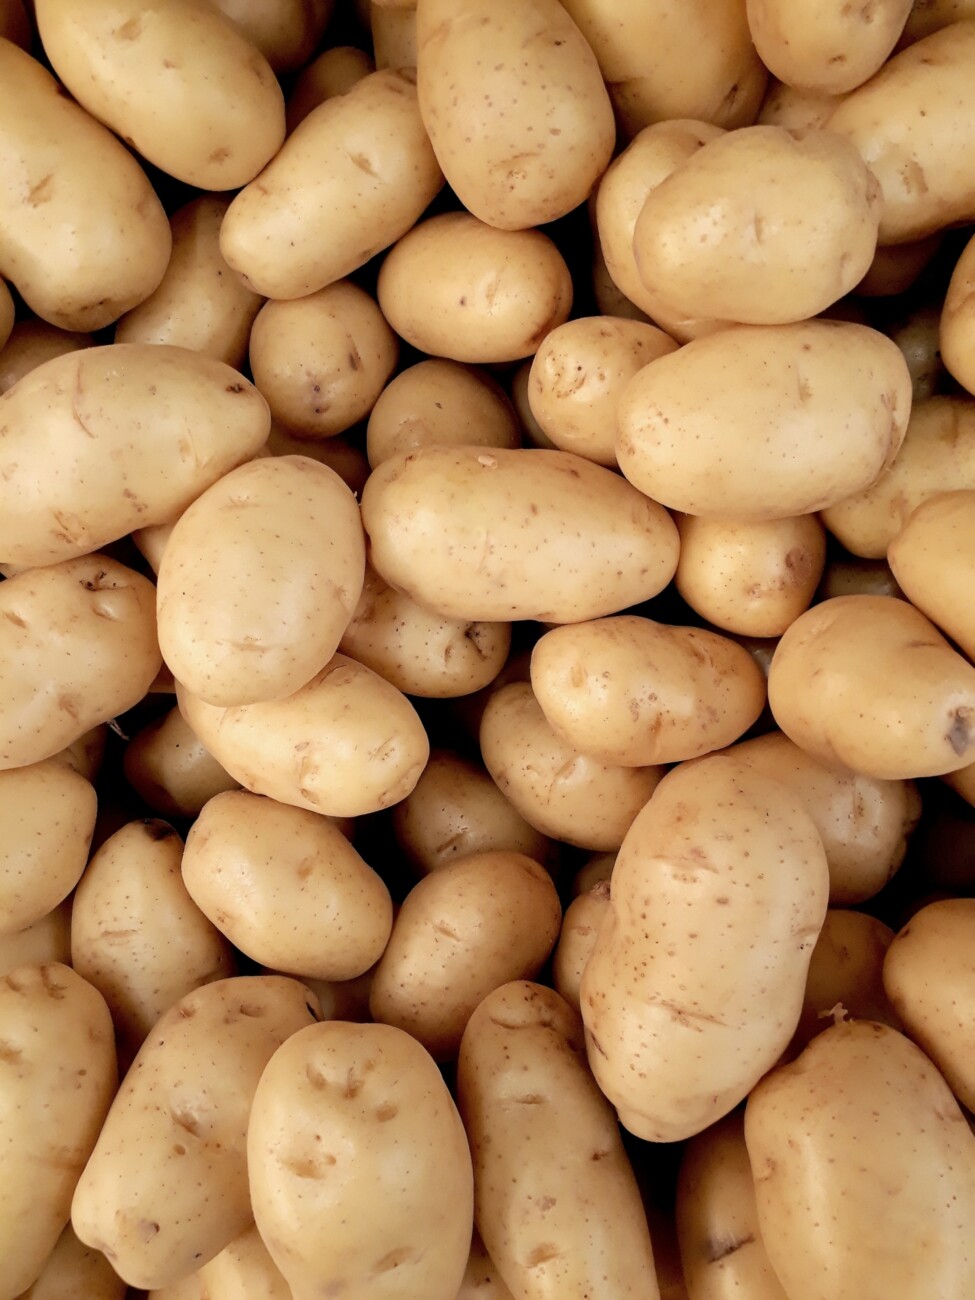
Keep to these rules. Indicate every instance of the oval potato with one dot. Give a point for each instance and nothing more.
(933, 561)
(168, 766)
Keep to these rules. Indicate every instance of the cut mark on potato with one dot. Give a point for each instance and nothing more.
(395, 1258)
(544, 1253)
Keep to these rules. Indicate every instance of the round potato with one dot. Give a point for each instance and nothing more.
(933, 560)
(287, 34)
(244, 1270)
(47, 940)
(796, 110)
(334, 72)
(580, 926)
(167, 765)
(31, 343)
(73, 1269)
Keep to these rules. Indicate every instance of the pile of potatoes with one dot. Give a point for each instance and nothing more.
(487, 704)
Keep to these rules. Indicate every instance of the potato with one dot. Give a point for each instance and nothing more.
(832, 52)
(346, 744)
(723, 871)
(482, 1281)
(14, 23)
(610, 300)
(457, 288)
(868, 683)
(556, 1200)
(334, 72)
(631, 691)
(168, 767)
(534, 435)
(393, 32)
(796, 110)
(895, 267)
(166, 1186)
(929, 16)
(31, 343)
(517, 534)
(77, 471)
(244, 1271)
(286, 34)
(179, 83)
(917, 338)
(865, 1092)
(845, 977)
(322, 361)
(577, 376)
(852, 577)
(580, 926)
(79, 647)
(957, 325)
(118, 236)
(47, 818)
(58, 1081)
(761, 226)
(85, 754)
(933, 560)
(515, 106)
(355, 177)
(73, 1270)
(597, 867)
(46, 940)
(464, 930)
(6, 314)
(381, 1204)
(339, 454)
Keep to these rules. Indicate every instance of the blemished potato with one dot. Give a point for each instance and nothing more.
(58, 1081)
(341, 454)
(765, 422)
(557, 789)
(79, 647)
(259, 581)
(722, 872)
(47, 940)
(577, 938)
(929, 976)
(795, 109)
(863, 1088)
(868, 683)
(286, 887)
(482, 1281)
(556, 1201)
(933, 560)
(286, 34)
(845, 977)
(895, 267)
(321, 361)
(244, 1270)
(178, 82)
(382, 1204)
(168, 766)
(458, 288)
(393, 31)
(165, 1188)
(78, 471)
(577, 376)
(47, 818)
(120, 240)
(522, 534)
(463, 930)
(31, 343)
(957, 332)
(334, 72)
(353, 178)
(347, 744)
(438, 403)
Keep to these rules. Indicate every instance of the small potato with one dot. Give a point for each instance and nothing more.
(31, 343)
(464, 930)
(765, 422)
(631, 691)
(382, 1203)
(580, 926)
(167, 765)
(338, 453)
(79, 647)
(58, 1081)
(334, 72)
(287, 34)
(393, 31)
(244, 1271)
(47, 940)
(895, 267)
(165, 1188)
(868, 683)
(957, 332)
(74, 1270)
(457, 288)
(796, 110)
(322, 361)
(933, 560)
(482, 1281)
(558, 790)
(929, 16)
(524, 534)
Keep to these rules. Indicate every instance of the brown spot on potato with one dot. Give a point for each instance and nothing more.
(9, 1052)
(386, 1111)
(157, 830)
(42, 192)
(959, 734)
(219, 155)
(716, 1248)
(543, 1253)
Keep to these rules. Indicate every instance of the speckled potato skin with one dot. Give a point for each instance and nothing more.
(893, 1216)
(557, 1203)
(73, 1269)
(166, 1186)
(718, 895)
(381, 1207)
(933, 561)
(59, 1077)
(244, 1271)
(168, 766)
(482, 1281)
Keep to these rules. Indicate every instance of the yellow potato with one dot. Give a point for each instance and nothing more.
(765, 422)
(31, 343)
(580, 926)
(718, 895)
(962, 782)
(895, 267)
(47, 940)
(244, 1271)
(796, 110)
(957, 332)
(338, 453)
(167, 765)
(482, 1281)
(334, 72)
(382, 1203)
(850, 577)
(287, 34)
(74, 1270)
(165, 1189)
(393, 32)
(933, 560)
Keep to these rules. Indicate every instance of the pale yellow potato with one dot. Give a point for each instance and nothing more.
(577, 938)
(765, 422)
(557, 1204)
(523, 534)
(79, 647)
(845, 977)
(464, 930)
(718, 895)
(81, 251)
(957, 332)
(438, 403)
(74, 1270)
(933, 561)
(577, 376)
(334, 72)
(852, 577)
(832, 50)
(178, 82)
(381, 1206)
(762, 226)
(47, 818)
(482, 1281)
(287, 33)
(912, 126)
(31, 343)
(631, 691)
(393, 32)
(244, 1271)
(168, 766)
(796, 110)
(929, 16)
(353, 178)
(557, 789)
(58, 1081)
(14, 23)
(321, 361)
(868, 683)
(338, 453)
(864, 1171)
(346, 744)
(165, 1188)
(895, 267)
(47, 940)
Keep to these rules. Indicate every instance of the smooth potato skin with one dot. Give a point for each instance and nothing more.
(933, 559)
(31, 343)
(168, 766)
(244, 1271)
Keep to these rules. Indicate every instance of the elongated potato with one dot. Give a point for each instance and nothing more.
(73, 1269)
(47, 940)
(334, 72)
(244, 1270)
(845, 977)
(933, 560)
(167, 764)
(577, 938)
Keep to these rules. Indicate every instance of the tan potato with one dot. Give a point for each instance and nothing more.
(168, 766)
(610, 299)
(557, 1203)
(343, 999)
(843, 577)
(534, 435)
(346, 458)
(482, 1281)
(917, 338)
(244, 1270)
(286, 34)
(795, 109)
(165, 1188)
(58, 1081)
(517, 534)
(393, 32)
(786, 419)
(580, 926)
(957, 326)
(933, 560)
(14, 23)
(31, 343)
(723, 871)
(334, 72)
(895, 267)
(383, 1204)
(46, 940)
(929, 16)
(73, 1270)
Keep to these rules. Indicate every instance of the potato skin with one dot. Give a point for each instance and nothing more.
(31, 343)
(933, 559)
(957, 326)
(47, 940)
(286, 34)
(577, 938)
(168, 766)
(334, 72)
(244, 1269)
(72, 1265)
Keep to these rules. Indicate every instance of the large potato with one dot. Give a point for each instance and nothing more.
(47, 940)
(168, 766)
(933, 560)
